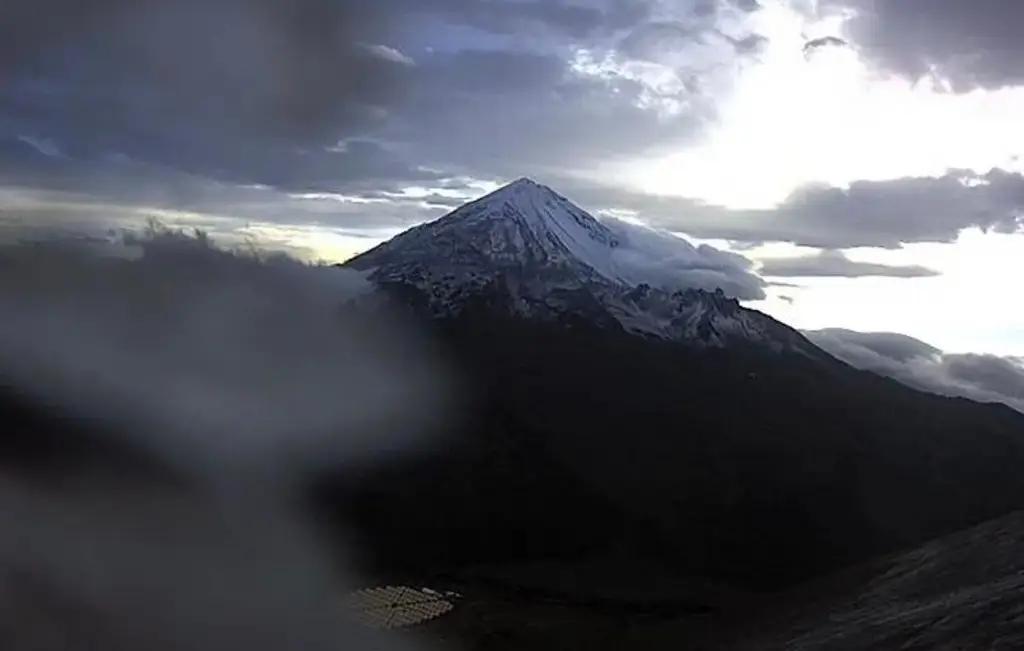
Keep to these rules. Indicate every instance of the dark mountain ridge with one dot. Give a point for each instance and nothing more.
(740, 454)
(739, 467)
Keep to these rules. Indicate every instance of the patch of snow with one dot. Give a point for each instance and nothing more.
(550, 256)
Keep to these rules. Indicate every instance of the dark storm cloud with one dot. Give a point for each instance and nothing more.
(259, 91)
(970, 43)
(636, 82)
(640, 85)
(250, 67)
(239, 90)
(868, 213)
(576, 19)
(352, 165)
(837, 264)
(322, 111)
(986, 378)
(664, 37)
(886, 213)
(573, 19)
(650, 40)
(563, 103)
(500, 114)
(464, 74)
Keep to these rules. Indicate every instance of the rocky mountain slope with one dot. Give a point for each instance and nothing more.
(533, 253)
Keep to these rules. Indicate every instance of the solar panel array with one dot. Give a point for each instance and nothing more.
(397, 606)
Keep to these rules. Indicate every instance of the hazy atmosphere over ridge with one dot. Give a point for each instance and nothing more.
(874, 187)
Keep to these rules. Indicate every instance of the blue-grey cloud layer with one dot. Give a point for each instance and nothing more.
(836, 264)
(986, 378)
(967, 43)
(868, 213)
(261, 90)
(264, 108)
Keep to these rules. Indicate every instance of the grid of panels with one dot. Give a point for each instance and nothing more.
(396, 606)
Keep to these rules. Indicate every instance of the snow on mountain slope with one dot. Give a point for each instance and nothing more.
(522, 223)
(547, 258)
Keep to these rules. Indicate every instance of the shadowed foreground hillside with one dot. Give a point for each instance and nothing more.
(962, 591)
(741, 466)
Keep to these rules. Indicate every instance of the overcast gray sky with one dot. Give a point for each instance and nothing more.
(867, 186)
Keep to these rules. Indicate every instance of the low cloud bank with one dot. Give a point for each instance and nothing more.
(663, 259)
(985, 378)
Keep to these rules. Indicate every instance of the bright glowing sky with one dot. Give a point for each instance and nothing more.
(701, 117)
(829, 118)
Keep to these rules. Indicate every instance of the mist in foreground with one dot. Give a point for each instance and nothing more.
(165, 401)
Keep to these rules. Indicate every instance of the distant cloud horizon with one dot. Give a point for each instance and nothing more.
(983, 378)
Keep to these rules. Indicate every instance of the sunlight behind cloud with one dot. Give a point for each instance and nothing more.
(965, 309)
(828, 118)
(314, 243)
(662, 89)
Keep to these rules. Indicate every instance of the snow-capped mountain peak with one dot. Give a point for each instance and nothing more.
(524, 224)
(538, 255)
(541, 206)
(541, 221)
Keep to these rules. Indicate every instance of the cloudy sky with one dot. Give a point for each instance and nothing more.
(862, 155)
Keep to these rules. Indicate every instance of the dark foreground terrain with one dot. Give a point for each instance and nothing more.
(961, 592)
(742, 468)
(606, 491)
(609, 492)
